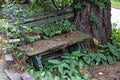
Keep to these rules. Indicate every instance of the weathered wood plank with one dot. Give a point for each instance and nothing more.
(18, 76)
(44, 15)
(54, 44)
(9, 57)
(27, 76)
(13, 40)
(12, 75)
(36, 23)
(48, 15)
(53, 55)
(8, 60)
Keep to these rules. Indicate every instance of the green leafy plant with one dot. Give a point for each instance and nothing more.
(45, 75)
(32, 38)
(12, 26)
(68, 68)
(80, 4)
(100, 3)
(115, 34)
(59, 27)
(13, 12)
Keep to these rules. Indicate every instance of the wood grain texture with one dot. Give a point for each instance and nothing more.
(26, 76)
(53, 44)
(48, 20)
(12, 75)
(18, 76)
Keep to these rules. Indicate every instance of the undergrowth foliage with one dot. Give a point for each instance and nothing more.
(115, 34)
(69, 67)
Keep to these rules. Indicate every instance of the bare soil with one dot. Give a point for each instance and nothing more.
(104, 72)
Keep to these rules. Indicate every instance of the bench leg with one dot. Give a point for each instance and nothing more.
(72, 48)
(37, 63)
(77, 47)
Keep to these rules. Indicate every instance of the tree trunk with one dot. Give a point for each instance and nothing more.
(99, 30)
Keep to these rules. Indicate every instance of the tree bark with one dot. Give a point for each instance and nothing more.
(100, 31)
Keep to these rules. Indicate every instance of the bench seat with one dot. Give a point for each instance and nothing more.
(42, 47)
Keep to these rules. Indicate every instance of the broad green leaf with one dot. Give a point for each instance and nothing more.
(102, 56)
(92, 63)
(104, 62)
(93, 56)
(56, 78)
(43, 73)
(97, 58)
(27, 69)
(78, 78)
(32, 72)
(60, 68)
(110, 59)
(85, 76)
(49, 74)
(81, 65)
(54, 61)
(37, 74)
(112, 49)
(114, 58)
(66, 66)
(87, 59)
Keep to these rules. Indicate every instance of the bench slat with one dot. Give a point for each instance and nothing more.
(54, 44)
(44, 21)
(48, 15)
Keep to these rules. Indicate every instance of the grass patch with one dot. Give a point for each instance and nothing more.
(115, 3)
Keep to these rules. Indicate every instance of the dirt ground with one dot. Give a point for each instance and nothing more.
(104, 72)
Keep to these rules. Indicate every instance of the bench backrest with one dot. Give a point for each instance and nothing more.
(45, 17)
(48, 17)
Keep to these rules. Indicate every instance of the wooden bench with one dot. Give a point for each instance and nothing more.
(40, 48)
(43, 47)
